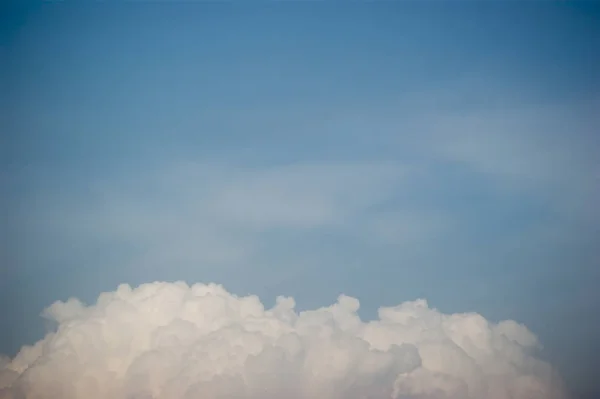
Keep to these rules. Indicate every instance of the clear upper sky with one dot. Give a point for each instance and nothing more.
(389, 151)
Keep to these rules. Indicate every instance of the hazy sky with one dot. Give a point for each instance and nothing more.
(389, 151)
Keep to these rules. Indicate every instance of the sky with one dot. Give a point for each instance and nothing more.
(389, 151)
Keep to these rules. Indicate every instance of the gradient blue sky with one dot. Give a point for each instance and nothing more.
(388, 151)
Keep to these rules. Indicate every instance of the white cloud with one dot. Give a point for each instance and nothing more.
(408, 227)
(305, 195)
(170, 340)
(190, 213)
(545, 151)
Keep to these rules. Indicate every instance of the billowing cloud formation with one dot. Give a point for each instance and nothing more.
(173, 341)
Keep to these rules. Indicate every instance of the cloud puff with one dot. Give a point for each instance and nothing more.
(174, 341)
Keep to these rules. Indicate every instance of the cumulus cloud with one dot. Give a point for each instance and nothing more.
(174, 341)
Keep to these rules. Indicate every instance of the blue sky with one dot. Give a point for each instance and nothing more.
(389, 151)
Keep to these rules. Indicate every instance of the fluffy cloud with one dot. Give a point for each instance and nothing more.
(170, 340)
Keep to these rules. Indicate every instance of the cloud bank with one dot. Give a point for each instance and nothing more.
(174, 341)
